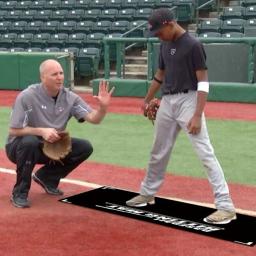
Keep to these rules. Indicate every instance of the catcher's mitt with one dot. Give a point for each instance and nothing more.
(59, 149)
(151, 109)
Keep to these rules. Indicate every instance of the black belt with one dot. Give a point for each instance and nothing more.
(168, 93)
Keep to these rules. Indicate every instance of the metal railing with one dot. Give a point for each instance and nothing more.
(120, 42)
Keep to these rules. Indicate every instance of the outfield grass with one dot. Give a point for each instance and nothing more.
(126, 140)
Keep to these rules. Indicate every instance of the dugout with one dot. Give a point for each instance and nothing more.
(18, 70)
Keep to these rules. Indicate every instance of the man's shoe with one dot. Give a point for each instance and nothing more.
(48, 189)
(140, 201)
(220, 217)
(20, 201)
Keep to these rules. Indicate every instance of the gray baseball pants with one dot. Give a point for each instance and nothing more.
(173, 115)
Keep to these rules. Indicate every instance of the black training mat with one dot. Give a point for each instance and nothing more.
(169, 213)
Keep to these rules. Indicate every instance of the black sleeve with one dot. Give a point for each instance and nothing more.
(198, 57)
(160, 60)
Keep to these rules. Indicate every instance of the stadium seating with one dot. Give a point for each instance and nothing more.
(233, 12)
(67, 26)
(84, 26)
(57, 40)
(18, 26)
(164, 3)
(102, 26)
(40, 40)
(126, 14)
(233, 25)
(76, 40)
(250, 28)
(88, 61)
(210, 34)
(7, 40)
(108, 14)
(250, 12)
(23, 40)
(4, 26)
(209, 26)
(233, 35)
(75, 14)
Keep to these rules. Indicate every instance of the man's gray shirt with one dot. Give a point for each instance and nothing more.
(35, 108)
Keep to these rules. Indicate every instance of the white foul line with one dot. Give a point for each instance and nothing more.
(94, 185)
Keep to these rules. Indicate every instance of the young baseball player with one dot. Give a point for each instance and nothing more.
(182, 77)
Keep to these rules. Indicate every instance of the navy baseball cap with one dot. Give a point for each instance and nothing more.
(158, 19)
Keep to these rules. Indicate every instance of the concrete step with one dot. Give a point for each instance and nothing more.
(136, 68)
(136, 60)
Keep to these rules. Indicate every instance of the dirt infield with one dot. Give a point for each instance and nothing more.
(216, 110)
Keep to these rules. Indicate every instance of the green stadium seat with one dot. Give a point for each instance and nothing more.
(139, 32)
(18, 26)
(232, 25)
(248, 3)
(210, 34)
(75, 14)
(57, 40)
(84, 26)
(233, 12)
(68, 4)
(164, 3)
(6, 40)
(211, 25)
(53, 4)
(3, 14)
(44, 15)
(129, 3)
(4, 26)
(51, 26)
(40, 40)
(108, 14)
(60, 14)
(82, 4)
(28, 15)
(88, 61)
(76, 40)
(9, 5)
(94, 40)
(67, 26)
(97, 4)
(23, 40)
(33, 26)
(17, 49)
(142, 13)
(250, 28)
(120, 26)
(114, 4)
(74, 50)
(126, 14)
(184, 11)
(233, 35)
(92, 14)
(146, 3)
(51, 49)
(34, 49)
(250, 12)
(37, 5)
(24, 5)
(102, 26)
(14, 15)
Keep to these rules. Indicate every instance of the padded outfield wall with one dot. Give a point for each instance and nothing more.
(19, 70)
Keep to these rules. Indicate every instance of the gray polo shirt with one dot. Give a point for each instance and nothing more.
(35, 108)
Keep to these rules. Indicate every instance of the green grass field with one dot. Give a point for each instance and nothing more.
(125, 140)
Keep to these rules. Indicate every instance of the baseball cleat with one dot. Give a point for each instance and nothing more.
(140, 201)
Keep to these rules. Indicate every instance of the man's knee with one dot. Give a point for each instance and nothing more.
(29, 142)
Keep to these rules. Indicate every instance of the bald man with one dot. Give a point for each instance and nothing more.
(40, 112)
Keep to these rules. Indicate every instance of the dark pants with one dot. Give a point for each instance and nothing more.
(26, 152)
